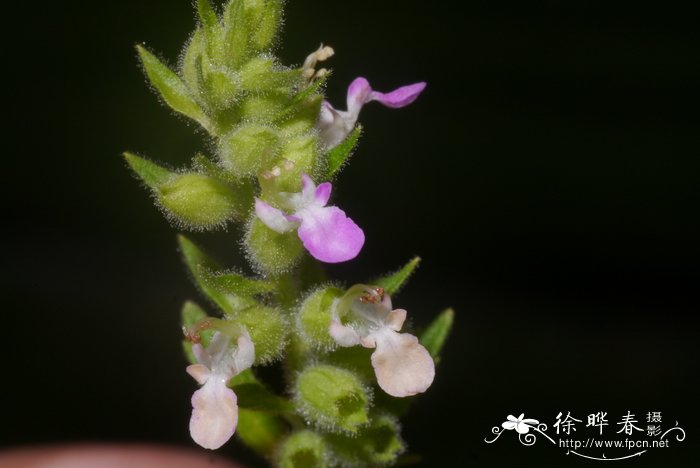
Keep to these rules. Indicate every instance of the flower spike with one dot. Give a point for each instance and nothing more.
(214, 406)
(326, 232)
(402, 365)
(335, 125)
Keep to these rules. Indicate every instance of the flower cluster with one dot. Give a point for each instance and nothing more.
(277, 145)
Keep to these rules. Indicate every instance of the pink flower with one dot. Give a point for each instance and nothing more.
(402, 365)
(335, 125)
(214, 406)
(326, 232)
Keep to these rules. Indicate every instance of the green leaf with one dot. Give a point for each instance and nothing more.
(394, 282)
(197, 261)
(340, 154)
(255, 396)
(171, 88)
(433, 338)
(151, 173)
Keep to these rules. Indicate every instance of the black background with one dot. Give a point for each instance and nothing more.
(548, 176)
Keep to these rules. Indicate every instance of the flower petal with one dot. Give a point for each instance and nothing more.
(323, 193)
(334, 126)
(343, 335)
(396, 319)
(201, 354)
(199, 372)
(402, 365)
(400, 97)
(214, 414)
(272, 217)
(329, 235)
(532, 422)
(359, 93)
(522, 428)
(245, 355)
(508, 425)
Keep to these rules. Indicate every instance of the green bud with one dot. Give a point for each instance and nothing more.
(303, 449)
(315, 317)
(198, 200)
(248, 149)
(251, 26)
(262, 74)
(262, 108)
(304, 116)
(332, 398)
(301, 154)
(259, 430)
(378, 444)
(267, 329)
(269, 21)
(272, 252)
(222, 87)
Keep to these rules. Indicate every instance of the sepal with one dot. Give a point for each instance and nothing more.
(269, 251)
(434, 337)
(332, 398)
(304, 449)
(394, 282)
(315, 317)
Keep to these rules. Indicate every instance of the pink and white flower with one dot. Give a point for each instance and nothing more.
(334, 125)
(326, 232)
(402, 365)
(214, 406)
(521, 426)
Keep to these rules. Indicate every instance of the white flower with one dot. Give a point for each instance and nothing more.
(214, 406)
(522, 426)
(402, 365)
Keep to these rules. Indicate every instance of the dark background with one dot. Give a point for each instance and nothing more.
(548, 176)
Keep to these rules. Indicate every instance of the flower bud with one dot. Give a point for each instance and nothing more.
(377, 444)
(262, 108)
(304, 118)
(222, 87)
(301, 154)
(248, 149)
(332, 398)
(303, 449)
(272, 252)
(267, 329)
(262, 74)
(315, 317)
(198, 200)
(269, 20)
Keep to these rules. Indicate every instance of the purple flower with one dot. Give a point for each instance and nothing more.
(327, 233)
(402, 365)
(335, 125)
(214, 406)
